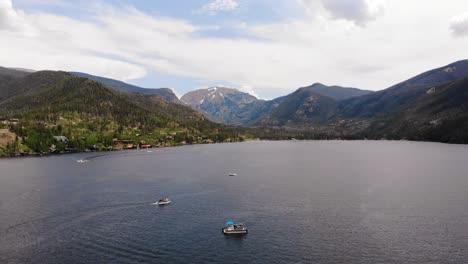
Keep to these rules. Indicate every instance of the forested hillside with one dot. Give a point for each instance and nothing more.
(77, 114)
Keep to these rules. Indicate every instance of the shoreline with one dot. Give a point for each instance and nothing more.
(218, 143)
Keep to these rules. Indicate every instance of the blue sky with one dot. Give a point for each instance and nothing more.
(265, 47)
(260, 11)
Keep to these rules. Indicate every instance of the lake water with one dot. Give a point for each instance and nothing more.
(303, 202)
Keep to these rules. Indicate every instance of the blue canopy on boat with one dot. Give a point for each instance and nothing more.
(229, 223)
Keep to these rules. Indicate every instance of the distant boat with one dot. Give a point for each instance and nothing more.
(232, 174)
(164, 201)
(231, 228)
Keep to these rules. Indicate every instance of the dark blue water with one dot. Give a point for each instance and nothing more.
(303, 202)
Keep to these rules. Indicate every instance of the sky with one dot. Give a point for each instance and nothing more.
(265, 47)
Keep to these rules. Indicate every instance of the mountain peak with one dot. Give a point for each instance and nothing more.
(219, 103)
(215, 94)
(317, 84)
(218, 89)
(337, 93)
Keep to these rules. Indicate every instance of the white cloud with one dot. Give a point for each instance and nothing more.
(359, 12)
(249, 89)
(459, 25)
(9, 18)
(220, 5)
(43, 41)
(125, 43)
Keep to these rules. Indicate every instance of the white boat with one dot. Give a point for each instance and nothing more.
(231, 228)
(164, 201)
(232, 174)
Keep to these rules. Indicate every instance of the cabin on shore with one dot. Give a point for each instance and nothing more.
(62, 139)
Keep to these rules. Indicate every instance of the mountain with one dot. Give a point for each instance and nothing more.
(393, 99)
(389, 113)
(64, 92)
(221, 104)
(35, 107)
(432, 106)
(337, 93)
(23, 83)
(12, 73)
(166, 93)
(440, 113)
(23, 70)
(233, 107)
(8, 75)
(47, 104)
(302, 107)
(307, 106)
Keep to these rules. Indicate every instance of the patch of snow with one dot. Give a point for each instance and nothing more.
(212, 89)
(450, 69)
(213, 96)
(221, 95)
(431, 91)
(436, 122)
(203, 100)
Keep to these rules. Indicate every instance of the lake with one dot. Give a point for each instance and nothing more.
(303, 202)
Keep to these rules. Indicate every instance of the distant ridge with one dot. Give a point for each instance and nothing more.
(23, 70)
(166, 93)
(11, 73)
(233, 107)
(335, 92)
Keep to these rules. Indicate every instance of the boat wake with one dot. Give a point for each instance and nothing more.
(75, 214)
(115, 155)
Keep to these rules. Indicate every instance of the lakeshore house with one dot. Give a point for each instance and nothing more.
(62, 139)
(8, 121)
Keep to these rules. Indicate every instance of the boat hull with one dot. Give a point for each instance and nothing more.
(234, 232)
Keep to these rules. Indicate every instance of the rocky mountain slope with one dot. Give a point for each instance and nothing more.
(301, 107)
(231, 106)
(307, 106)
(221, 104)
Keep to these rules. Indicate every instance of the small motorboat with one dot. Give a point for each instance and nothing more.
(232, 174)
(164, 201)
(231, 228)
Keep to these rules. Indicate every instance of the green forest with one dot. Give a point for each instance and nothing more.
(77, 114)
